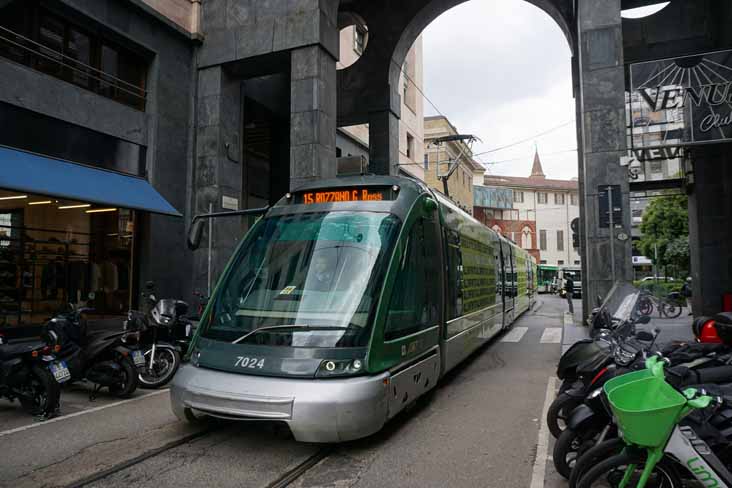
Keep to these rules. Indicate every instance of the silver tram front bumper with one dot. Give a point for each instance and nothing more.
(332, 410)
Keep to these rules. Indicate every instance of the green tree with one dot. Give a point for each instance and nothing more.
(666, 227)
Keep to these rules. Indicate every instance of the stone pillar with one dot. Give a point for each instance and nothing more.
(710, 234)
(218, 169)
(384, 143)
(313, 115)
(602, 137)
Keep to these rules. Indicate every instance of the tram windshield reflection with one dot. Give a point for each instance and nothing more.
(305, 280)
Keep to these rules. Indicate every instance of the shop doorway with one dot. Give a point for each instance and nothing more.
(265, 139)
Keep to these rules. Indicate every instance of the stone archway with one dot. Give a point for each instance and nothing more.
(368, 90)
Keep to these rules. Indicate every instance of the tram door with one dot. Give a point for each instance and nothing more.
(509, 283)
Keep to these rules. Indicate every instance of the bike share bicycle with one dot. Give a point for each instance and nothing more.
(648, 411)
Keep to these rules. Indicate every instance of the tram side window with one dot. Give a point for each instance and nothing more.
(415, 296)
(454, 275)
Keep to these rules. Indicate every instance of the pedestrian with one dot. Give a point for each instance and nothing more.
(569, 292)
(686, 292)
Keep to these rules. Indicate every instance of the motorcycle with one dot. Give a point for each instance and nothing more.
(164, 336)
(30, 373)
(102, 358)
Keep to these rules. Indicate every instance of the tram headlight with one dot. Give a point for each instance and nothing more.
(339, 367)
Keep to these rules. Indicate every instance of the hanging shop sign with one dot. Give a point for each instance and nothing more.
(492, 197)
(681, 101)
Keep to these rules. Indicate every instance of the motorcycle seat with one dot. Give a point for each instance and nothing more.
(723, 318)
(9, 351)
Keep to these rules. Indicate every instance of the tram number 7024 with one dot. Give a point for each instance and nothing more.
(249, 362)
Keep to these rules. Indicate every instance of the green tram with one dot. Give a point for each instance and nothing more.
(348, 300)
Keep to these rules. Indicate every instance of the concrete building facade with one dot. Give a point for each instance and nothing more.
(540, 215)
(440, 158)
(354, 140)
(231, 103)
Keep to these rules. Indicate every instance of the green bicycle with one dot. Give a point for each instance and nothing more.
(648, 411)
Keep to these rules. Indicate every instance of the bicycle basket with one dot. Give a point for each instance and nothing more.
(646, 409)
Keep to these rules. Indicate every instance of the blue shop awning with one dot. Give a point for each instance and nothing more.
(28, 172)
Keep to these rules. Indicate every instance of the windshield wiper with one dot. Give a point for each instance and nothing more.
(290, 326)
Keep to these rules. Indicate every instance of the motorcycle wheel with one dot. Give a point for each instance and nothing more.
(603, 450)
(558, 413)
(570, 446)
(42, 393)
(127, 387)
(166, 364)
(609, 473)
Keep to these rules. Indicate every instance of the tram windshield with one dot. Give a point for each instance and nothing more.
(305, 280)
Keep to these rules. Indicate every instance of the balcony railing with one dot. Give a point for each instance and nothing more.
(37, 56)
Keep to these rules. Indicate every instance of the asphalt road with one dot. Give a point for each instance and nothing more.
(482, 428)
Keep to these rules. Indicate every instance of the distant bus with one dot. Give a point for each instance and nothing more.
(546, 275)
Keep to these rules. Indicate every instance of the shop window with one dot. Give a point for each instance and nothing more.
(542, 240)
(559, 198)
(541, 197)
(59, 252)
(415, 296)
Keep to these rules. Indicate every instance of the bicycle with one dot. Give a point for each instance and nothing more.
(648, 410)
(669, 307)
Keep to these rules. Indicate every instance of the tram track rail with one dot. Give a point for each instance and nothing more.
(295, 473)
(101, 475)
(284, 480)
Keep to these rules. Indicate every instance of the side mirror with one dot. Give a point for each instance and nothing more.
(643, 319)
(194, 234)
(644, 336)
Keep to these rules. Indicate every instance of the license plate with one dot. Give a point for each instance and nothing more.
(138, 358)
(60, 371)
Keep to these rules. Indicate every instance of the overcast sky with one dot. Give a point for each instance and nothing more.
(501, 70)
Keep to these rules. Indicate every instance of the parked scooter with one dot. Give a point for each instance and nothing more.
(101, 357)
(30, 373)
(165, 334)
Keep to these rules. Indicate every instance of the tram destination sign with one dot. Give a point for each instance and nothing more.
(681, 101)
(352, 194)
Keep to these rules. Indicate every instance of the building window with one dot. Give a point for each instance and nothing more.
(526, 240)
(560, 263)
(59, 48)
(559, 198)
(560, 240)
(518, 196)
(339, 152)
(576, 263)
(542, 240)
(359, 39)
(543, 261)
(410, 145)
(541, 197)
(426, 161)
(573, 199)
(497, 229)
